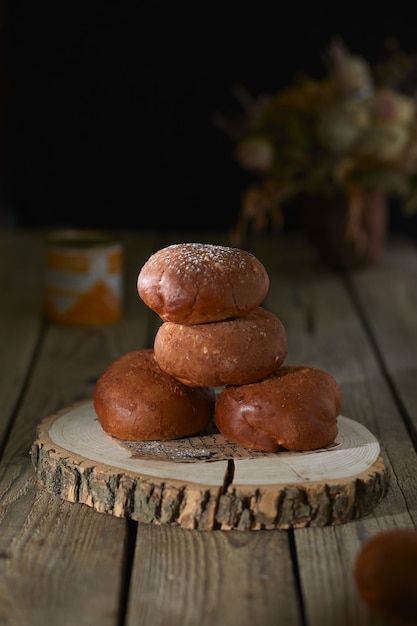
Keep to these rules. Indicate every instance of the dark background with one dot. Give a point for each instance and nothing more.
(107, 106)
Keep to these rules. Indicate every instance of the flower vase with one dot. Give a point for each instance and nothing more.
(347, 232)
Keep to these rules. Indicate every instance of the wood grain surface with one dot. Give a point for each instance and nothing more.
(63, 562)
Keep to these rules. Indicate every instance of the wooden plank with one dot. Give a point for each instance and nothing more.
(211, 578)
(83, 552)
(183, 576)
(324, 330)
(387, 297)
(334, 599)
(60, 563)
(20, 316)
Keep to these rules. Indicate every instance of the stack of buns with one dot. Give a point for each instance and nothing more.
(215, 333)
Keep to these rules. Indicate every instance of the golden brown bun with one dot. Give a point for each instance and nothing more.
(196, 283)
(296, 407)
(385, 572)
(135, 400)
(235, 351)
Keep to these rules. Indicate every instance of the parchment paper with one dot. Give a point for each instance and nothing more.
(208, 445)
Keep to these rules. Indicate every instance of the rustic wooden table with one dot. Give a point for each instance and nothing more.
(66, 563)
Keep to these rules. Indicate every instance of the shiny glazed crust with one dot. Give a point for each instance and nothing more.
(235, 351)
(295, 408)
(135, 400)
(196, 283)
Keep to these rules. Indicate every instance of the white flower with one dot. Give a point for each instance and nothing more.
(255, 154)
(341, 125)
(393, 107)
(384, 142)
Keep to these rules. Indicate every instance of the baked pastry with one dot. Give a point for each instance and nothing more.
(296, 407)
(385, 573)
(196, 283)
(235, 351)
(135, 400)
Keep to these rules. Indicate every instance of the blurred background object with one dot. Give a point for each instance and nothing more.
(110, 105)
(336, 149)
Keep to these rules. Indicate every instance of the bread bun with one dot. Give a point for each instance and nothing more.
(295, 407)
(385, 573)
(135, 400)
(232, 352)
(196, 283)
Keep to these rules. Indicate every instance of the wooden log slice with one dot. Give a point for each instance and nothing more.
(74, 458)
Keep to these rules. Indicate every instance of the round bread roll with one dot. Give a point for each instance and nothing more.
(296, 408)
(385, 573)
(196, 283)
(232, 352)
(135, 400)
